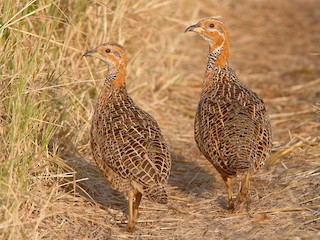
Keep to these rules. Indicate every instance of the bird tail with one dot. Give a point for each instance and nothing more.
(241, 165)
(157, 193)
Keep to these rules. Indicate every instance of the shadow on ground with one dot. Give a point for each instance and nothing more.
(96, 189)
(189, 177)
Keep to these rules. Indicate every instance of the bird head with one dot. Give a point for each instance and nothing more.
(212, 30)
(112, 54)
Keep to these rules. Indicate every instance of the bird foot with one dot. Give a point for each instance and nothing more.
(231, 205)
(239, 200)
(131, 227)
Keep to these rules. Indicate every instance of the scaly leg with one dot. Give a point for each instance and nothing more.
(227, 181)
(131, 222)
(244, 192)
(136, 206)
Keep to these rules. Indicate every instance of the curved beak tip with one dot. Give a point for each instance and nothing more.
(194, 28)
(89, 53)
(189, 29)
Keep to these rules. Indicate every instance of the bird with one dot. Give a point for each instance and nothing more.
(126, 142)
(232, 128)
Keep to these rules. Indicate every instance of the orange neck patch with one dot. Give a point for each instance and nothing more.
(117, 75)
(219, 48)
(120, 79)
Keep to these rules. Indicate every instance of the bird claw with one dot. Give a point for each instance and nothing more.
(230, 205)
(131, 227)
(239, 200)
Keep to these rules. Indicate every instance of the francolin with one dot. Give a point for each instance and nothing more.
(126, 141)
(232, 127)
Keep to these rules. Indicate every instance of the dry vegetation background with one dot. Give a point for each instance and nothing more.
(50, 187)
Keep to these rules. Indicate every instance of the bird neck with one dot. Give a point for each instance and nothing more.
(114, 85)
(218, 55)
(116, 76)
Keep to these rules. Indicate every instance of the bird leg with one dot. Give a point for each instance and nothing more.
(227, 181)
(244, 192)
(136, 206)
(131, 220)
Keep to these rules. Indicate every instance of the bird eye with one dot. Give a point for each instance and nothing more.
(108, 50)
(211, 25)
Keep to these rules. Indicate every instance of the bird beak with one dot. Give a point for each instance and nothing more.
(92, 53)
(194, 28)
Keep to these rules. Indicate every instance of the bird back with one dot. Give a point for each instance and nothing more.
(128, 141)
(232, 128)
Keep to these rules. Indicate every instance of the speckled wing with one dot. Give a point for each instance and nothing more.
(232, 128)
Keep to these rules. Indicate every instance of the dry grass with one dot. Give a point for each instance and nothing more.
(49, 186)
